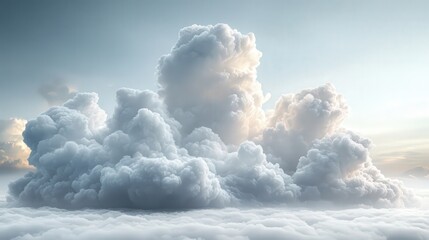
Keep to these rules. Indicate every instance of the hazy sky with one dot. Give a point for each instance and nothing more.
(205, 153)
(374, 52)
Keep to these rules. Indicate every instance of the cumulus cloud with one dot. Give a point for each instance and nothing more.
(56, 92)
(13, 151)
(229, 223)
(201, 141)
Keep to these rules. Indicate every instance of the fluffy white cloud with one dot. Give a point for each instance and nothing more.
(201, 141)
(13, 151)
(229, 223)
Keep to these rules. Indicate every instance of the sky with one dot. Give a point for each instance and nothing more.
(214, 120)
(374, 52)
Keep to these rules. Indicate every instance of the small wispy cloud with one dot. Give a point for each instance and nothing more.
(56, 92)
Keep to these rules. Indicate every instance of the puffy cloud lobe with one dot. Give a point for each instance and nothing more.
(251, 176)
(209, 79)
(143, 117)
(312, 112)
(229, 223)
(86, 103)
(338, 167)
(13, 151)
(299, 119)
(201, 142)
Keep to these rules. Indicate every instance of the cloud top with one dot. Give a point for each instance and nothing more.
(209, 79)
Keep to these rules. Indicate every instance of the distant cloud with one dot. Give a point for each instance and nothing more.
(13, 151)
(56, 92)
(417, 172)
(203, 140)
(229, 223)
(396, 159)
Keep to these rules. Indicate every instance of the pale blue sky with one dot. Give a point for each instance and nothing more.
(376, 53)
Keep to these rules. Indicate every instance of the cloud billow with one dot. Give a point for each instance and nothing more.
(297, 120)
(203, 140)
(338, 168)
(209, 79)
